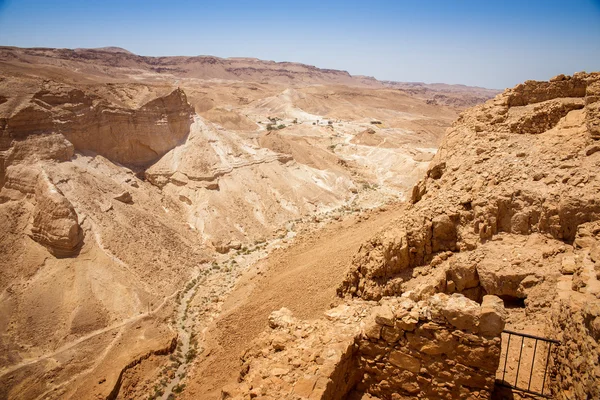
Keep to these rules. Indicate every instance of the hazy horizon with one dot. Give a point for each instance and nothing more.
(467, 42)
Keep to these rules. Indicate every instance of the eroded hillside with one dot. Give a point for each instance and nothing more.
(502, 231)
(132, 185)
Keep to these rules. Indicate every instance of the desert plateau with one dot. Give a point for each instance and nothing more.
(203, 227)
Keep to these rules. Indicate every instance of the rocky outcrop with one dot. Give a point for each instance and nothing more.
(133, 137)
(442, 347)
(519, 164)
(55, 222)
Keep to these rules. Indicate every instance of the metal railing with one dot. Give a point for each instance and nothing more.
(528, 376)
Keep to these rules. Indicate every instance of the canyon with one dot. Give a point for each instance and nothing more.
(199, 227)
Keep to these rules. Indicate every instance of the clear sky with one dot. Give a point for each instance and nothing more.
(494, 44)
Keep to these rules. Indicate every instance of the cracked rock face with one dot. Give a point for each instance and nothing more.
(520, 164)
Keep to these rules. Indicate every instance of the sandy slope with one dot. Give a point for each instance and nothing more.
(302, 277)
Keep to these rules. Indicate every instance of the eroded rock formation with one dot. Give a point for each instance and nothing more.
(519, 164)
(130, 136)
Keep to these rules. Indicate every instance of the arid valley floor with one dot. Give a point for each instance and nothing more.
(208, 228)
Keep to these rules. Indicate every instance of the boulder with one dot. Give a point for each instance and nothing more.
(436, 170)
(444, 233)
(501, 279)
(281, 318)
(55, 222)
(463, 274)
(492, 317)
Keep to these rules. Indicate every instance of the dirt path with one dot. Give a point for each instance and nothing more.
(302, 277)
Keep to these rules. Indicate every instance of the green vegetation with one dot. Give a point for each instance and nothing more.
(179, 388)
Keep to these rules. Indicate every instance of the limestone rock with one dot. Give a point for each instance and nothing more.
(124, 197)
(282, 318)
(55, 222)
(40, 147)
(500, 280)
(568, 265)
(594, 148)
(444, 234)
(436, 170)
(134, 137)
(22, 178)
(493, 316)
(460, 311)
(405, 361)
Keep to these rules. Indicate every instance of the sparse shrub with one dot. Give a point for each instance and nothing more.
(179, 388)
(191, 355)
(280, 126)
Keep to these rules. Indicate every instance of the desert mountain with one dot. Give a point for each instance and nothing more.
(501, 232)
(131, 186)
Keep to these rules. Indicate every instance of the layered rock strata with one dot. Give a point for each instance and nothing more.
(129, 136)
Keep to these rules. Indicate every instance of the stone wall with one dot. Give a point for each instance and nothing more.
(441, 347)
(575, 371)
(444, 347)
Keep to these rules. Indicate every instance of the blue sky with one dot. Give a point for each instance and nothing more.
(485, 43)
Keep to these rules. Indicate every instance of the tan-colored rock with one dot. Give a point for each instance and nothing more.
(500, 279)
(405, 361)
(444, 233)
(594, 148)
(55, 222)
(22, 178)
(492, 317)
(460, 312)
(384, 315)
(282, 318)
(124, 197)
(568, 265)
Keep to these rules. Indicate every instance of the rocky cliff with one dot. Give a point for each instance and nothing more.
(132, 137)
(522, 164)
(505, 219)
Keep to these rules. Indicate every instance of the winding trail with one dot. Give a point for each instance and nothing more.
(91, 335)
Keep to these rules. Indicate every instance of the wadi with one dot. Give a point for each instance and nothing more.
(235, 228)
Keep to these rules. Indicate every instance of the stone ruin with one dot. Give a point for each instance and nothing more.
(442, 347)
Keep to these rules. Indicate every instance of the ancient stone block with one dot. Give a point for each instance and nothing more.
(405, 361)
(492, 316)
